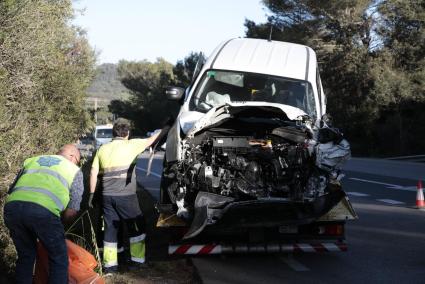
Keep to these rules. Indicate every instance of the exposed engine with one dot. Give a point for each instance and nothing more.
(280, 164)
(246, 168)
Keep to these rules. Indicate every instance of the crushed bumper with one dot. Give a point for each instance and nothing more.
(224, 212)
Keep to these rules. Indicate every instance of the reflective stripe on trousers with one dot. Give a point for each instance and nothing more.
(110, 254)
(137, 248)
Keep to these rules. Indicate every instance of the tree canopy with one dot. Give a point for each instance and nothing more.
(371, 57)
(148, 106)
(106, 84)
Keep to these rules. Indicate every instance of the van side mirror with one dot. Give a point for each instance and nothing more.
(174, 93)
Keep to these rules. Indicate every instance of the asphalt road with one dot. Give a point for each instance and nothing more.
(386, 244)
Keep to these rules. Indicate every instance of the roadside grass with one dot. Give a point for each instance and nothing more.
(178, 271)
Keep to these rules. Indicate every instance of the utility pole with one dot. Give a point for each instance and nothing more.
(95, 110)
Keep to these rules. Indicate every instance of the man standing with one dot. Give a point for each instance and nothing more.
(46, 187)
(116, 163)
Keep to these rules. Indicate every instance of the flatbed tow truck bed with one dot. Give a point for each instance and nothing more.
(326, 234)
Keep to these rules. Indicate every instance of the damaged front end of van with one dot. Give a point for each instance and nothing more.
(250, 165)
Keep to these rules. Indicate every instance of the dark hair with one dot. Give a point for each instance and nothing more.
(120, 129)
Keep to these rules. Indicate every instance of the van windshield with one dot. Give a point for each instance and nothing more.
(104, 133)
(220, 87)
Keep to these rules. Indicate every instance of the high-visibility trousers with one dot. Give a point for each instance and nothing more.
(125, 209)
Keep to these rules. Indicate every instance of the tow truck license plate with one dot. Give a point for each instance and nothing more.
(288, 229)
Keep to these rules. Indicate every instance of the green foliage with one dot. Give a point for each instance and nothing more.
(371, 56)
(106, 84)
(45, 67)
(183, 71)
(104, 88)
(402, 30)
(148, 106)
(147, 81)
(145, 77)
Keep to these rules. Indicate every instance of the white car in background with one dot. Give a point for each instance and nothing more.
(102, 134)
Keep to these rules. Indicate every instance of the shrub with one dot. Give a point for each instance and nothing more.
(45, 66)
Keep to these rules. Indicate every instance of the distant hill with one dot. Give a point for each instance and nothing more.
(106, 85)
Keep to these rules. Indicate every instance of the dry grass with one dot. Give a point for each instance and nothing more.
(170, 272)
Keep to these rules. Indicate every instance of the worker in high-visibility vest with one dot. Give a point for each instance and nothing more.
(47, 188)
(115, 162)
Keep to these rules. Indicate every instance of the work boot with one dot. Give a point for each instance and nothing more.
(108, 271)
(134, 266)
(123, 256)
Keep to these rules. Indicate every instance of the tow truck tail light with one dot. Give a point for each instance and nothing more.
(331, 230)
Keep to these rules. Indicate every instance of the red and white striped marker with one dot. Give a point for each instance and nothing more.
(188, 249)
(420, 204)
(194, 249)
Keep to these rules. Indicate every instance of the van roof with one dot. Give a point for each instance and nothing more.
(104, 126)
(266, 57)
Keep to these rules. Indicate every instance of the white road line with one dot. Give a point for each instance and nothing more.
(376, 182)
(359, 194)
(152, 173)
(292, 263)
(388, 185)
(390, 201)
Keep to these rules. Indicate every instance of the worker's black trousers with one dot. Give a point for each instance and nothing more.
(28, 222)
(125, 209)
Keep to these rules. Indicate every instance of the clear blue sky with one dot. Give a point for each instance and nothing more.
(147, 29)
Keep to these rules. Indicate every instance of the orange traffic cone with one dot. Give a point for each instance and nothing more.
(420, 204)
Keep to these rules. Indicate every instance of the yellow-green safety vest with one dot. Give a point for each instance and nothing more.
(116, 162)
(45, 180)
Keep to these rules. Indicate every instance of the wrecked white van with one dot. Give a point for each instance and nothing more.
(250, 146)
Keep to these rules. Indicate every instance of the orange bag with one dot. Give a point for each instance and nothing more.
(80, 268)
